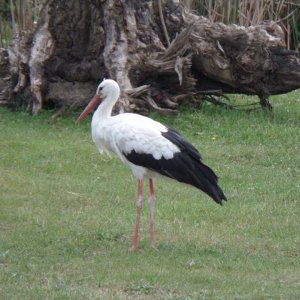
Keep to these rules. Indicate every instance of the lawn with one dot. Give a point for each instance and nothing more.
(67, 213)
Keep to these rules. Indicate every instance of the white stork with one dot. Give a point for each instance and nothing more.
(149, 149)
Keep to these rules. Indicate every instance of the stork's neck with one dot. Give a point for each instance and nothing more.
(105, 108)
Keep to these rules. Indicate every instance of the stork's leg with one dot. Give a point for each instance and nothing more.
(135, 241)
(151, 204)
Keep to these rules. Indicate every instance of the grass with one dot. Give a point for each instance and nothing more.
(67, 213)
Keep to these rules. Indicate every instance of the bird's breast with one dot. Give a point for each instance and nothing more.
(102, 139)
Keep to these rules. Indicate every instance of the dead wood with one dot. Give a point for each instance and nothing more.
(4, 77)
(160, 53)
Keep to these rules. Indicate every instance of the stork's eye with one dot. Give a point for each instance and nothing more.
(99, 90)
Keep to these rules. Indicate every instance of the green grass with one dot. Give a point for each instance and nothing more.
(67, 213)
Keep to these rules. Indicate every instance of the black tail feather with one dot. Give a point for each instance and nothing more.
(202, 177)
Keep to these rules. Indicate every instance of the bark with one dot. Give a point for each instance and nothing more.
(161, 55)
(4, 77)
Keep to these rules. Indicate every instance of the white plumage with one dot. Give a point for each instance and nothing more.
(126, 132)
(148, 148)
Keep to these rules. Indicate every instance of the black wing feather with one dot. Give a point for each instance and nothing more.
(185, 166)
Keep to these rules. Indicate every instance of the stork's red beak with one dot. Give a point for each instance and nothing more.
(89, 108)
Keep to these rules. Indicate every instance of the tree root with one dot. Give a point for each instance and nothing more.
(161, 56)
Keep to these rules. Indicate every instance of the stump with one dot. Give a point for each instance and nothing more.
(160, 53)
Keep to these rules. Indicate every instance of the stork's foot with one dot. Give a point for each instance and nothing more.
(134, 249)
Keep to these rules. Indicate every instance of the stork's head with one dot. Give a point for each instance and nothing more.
(108, 91)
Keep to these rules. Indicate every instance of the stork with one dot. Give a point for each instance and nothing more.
(149, 148)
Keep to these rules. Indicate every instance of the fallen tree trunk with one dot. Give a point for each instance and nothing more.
(160, 54)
